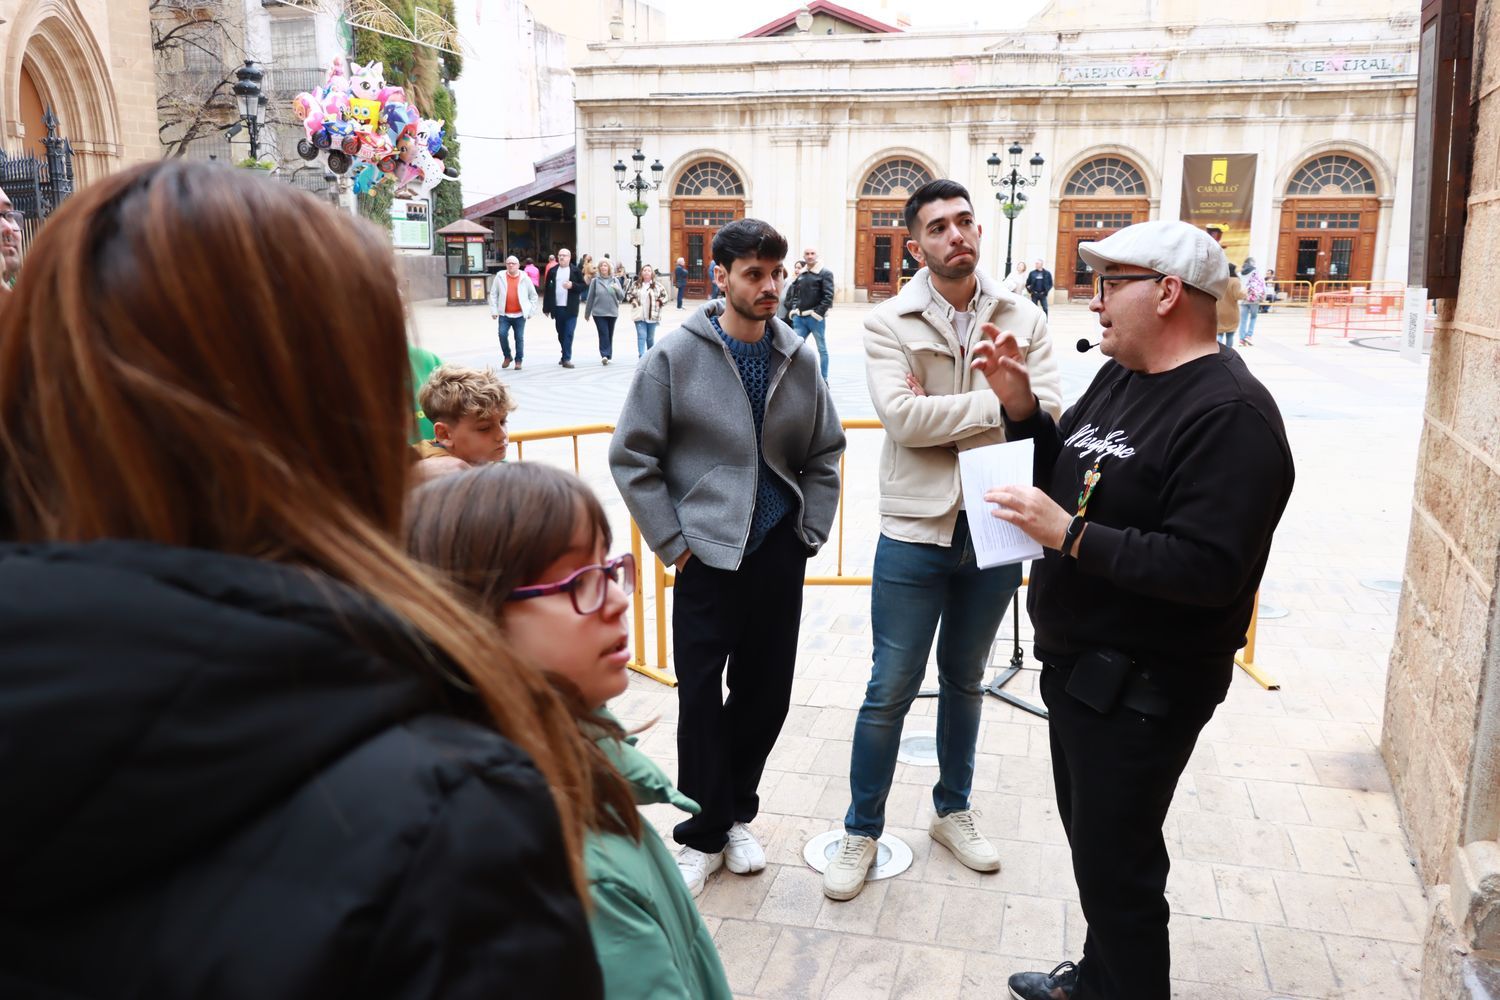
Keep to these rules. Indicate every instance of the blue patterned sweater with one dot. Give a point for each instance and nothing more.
(773, 498)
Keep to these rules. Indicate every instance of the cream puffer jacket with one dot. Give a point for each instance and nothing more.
(920, 497)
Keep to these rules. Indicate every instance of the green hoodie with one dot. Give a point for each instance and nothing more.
(650, 940)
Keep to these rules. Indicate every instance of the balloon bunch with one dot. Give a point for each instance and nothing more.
(359, 121)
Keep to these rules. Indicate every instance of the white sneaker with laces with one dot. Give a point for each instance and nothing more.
(696, 867)
(743, 854)
(959, 832)
(846, 873)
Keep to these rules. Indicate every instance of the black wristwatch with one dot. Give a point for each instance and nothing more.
(1075, 528)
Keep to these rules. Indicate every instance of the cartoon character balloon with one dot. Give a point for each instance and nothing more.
(365, 125)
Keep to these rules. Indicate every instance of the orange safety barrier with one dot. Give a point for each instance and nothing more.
(1356, 311)
(663, 581)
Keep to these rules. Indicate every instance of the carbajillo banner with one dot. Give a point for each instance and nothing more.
(1218, 189)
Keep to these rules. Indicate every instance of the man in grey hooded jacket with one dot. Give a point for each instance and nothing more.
(727, 454)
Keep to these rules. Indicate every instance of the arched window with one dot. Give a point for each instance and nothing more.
(1106, 176)
(712, 178)
(895, 179)
(1332, 175)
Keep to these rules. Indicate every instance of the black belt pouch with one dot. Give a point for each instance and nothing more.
(1098, 678)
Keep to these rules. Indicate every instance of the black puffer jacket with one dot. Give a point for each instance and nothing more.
(221, 777)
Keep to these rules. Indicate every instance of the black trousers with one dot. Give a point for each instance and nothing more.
(1115, 774)
(746, 620)
(1041, 300)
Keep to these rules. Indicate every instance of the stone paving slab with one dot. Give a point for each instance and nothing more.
(1291, 875)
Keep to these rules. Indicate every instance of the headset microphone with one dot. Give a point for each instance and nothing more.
(1085, 345)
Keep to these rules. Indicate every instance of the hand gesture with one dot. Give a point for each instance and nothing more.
(915, 385)
(1031, 510)
(999, 358)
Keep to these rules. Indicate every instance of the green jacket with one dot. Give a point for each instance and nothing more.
(422, 364)
(650, 940)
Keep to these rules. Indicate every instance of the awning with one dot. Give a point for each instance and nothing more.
(556, 173)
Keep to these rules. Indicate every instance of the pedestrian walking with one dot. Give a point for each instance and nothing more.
(736, 497)
(1157, 495)
(1039, 285)
(1252, 293)
(531, 543)
(1227, 309)
(282, 760)
(1015, 281)
(926, 582)
(647, 298)
(811, 298)
(602, 304)
(512, 299)
(680, 276)
(533, 273)
(562, 291)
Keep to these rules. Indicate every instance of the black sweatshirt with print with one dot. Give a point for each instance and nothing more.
(1194, 474)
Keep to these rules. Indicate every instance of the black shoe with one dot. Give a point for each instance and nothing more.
(566, 364)
(1058, 984)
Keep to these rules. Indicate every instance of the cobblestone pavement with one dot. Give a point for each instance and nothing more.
(1291, 875)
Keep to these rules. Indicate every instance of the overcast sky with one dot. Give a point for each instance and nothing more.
(694, 19)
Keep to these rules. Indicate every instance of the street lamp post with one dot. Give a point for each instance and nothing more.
(1013, 203)
(638, 185)
(252, 104)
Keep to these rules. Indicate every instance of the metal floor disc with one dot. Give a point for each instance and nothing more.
(892, 856)
(919, 749)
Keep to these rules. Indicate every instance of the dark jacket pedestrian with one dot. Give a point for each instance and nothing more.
(569, 302)
(812, 292)
(1039, 285)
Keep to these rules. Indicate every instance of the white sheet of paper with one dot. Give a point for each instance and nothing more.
(996, 542)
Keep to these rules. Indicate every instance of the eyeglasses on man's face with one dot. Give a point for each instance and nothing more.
(586, 587)
(1102, 282)
(14, 216)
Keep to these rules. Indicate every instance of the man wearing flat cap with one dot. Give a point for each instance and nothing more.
(1156, 497)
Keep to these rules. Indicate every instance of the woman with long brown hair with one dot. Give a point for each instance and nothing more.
(531, 543)
(247, 746)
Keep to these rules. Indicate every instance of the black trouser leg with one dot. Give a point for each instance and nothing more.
(746, 620)
(1115, 775)
(707, 617)
(762, 664)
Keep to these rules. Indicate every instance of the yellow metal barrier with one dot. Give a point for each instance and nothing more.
(662, 580)
(657, 671)
(1291, 292)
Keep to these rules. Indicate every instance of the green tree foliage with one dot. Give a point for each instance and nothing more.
(425, 73)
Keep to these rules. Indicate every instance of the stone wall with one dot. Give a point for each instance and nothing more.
(133, 73)
(1440, 714)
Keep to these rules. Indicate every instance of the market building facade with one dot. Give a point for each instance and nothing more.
(1293, 136)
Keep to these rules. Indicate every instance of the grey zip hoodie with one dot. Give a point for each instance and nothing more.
(683, 452)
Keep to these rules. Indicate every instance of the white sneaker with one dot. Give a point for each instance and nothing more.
(697, 866)
(846, 873)
(959, 832)
(743, 854)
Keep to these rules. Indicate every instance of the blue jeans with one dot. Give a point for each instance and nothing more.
(565, 325)
(803, 325)
(681, 291)
(645, 337)
(606, 327)
(919, 591)
(518, 324)
(1249, 313)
